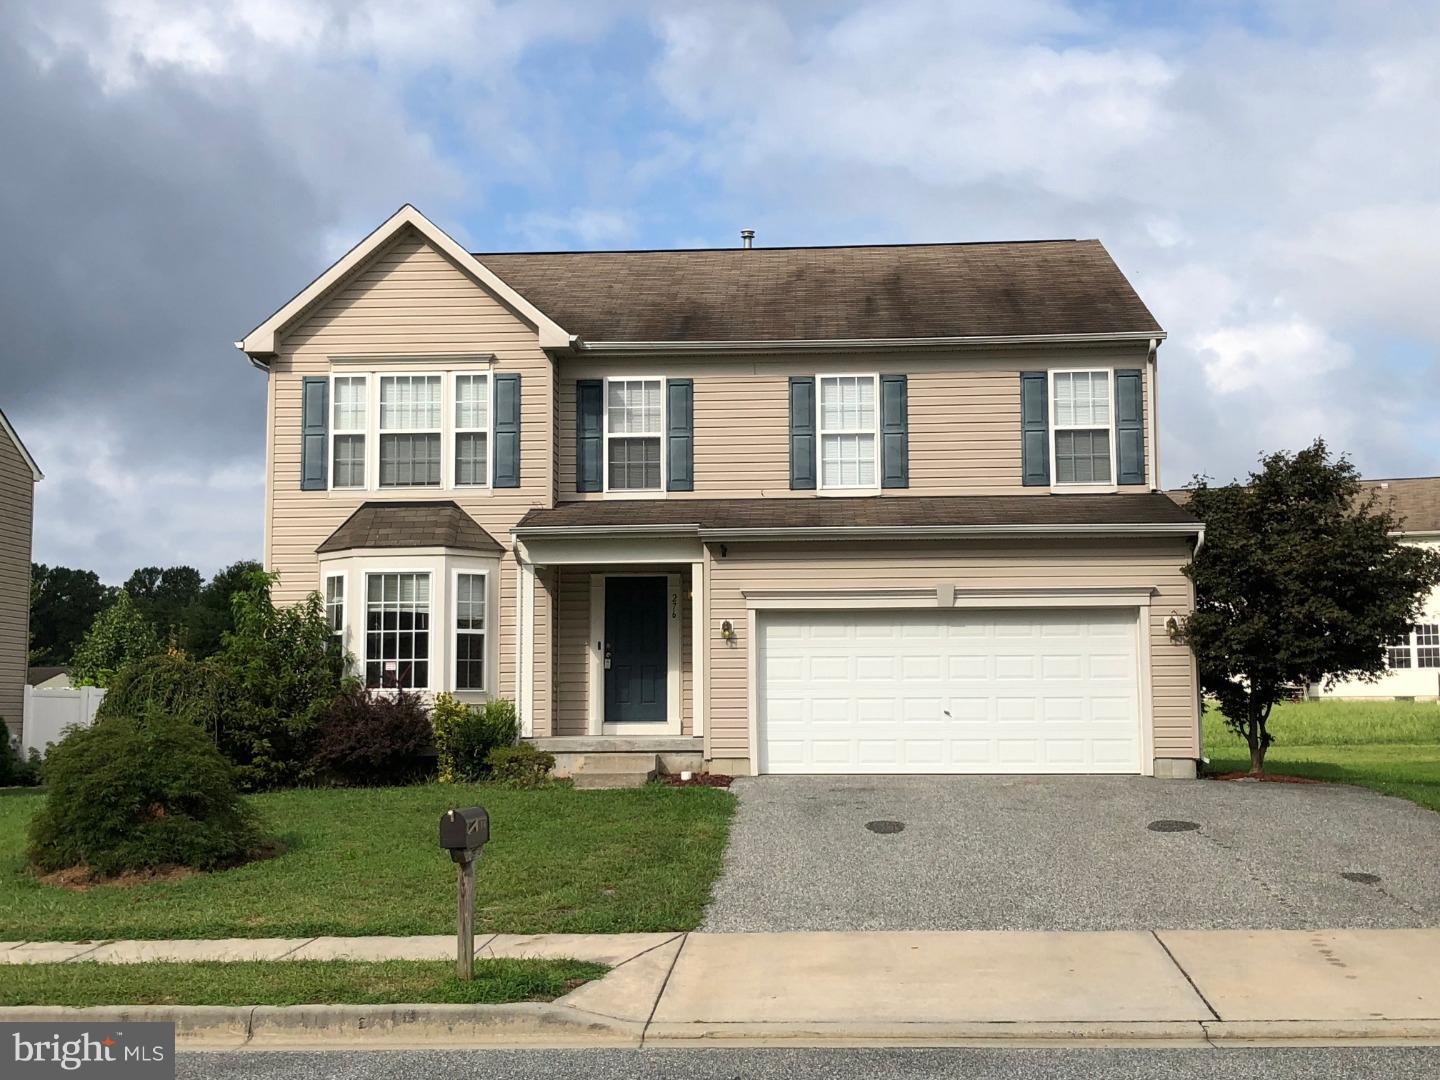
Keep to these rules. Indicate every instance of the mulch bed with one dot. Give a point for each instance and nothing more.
(1267, 778)
(703, 779)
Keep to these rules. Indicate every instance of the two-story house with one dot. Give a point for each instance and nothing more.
(18, 476)
(803, 510)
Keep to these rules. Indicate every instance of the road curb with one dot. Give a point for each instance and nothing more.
(536, 1025)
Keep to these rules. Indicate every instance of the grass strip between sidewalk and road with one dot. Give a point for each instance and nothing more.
(1392, 747)
(357, 861)
(292, 982)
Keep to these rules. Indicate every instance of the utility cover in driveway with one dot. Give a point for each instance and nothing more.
(1031, 691)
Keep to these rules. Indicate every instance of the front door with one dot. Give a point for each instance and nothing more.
(636, 650)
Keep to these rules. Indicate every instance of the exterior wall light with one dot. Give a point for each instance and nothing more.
(1172, 627)
(727, 630)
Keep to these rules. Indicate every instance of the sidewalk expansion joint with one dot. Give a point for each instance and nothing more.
(647, 952)
(1180, 968)
(645, 1029)
(291, 952)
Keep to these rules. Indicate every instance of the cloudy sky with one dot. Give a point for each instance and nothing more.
(1267, 173)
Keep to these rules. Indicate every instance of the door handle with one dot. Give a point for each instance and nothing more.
(607, 656)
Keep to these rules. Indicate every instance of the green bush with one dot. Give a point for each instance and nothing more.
(138, 793)
(465, 735)
(286, 671)
(119, 636)
(374, 740)
(196, 691)
(15, 770)
(520, 766)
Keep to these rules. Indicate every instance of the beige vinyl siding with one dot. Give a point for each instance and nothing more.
(409, 301)
(966, 565)
(17, 505)
(572, 646)
(964, 417)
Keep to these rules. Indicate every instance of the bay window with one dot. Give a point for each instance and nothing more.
(470, 631)
(848, 418)
(634, 424)
(335, 607)
(1082, 426)
(397, 631)
(409, 431)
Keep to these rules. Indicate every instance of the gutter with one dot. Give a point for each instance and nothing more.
(251, 357)
(832, 344)
(856, 532)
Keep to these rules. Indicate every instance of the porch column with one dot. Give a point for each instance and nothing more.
(698, 638)
(525, 642)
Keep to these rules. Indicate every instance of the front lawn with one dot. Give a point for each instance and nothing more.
(292, 982)
(1392, 747)
(367, 861)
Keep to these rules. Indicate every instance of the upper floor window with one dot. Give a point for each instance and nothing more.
(1083, 427)
(847, 431)
(410, 431)
(634, 424)
(348, 425)
(472, 430)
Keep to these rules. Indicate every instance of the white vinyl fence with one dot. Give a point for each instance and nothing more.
(49, 712)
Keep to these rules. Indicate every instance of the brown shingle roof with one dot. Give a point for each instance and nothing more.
(878, 512)
(1415, 500)
(410, 524)
(831, 293)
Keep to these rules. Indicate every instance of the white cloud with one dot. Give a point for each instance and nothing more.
(1238, 358)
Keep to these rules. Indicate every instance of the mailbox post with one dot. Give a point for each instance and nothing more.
(463, 832)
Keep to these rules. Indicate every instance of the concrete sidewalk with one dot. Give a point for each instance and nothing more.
(1116, 987)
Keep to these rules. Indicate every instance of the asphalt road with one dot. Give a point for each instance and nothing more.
(1071, 853)
(1340, 1063)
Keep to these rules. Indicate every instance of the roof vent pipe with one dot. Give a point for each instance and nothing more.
(747, 238)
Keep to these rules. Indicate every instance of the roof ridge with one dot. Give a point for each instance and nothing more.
(796, 247)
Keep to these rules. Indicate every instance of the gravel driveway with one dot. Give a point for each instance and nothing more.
(1071, 853)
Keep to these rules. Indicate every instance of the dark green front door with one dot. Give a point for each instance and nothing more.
(636, 650)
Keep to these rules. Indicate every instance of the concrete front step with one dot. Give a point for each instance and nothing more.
(592, 781)
(612, 770)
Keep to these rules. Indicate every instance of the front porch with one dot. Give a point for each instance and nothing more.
(611, 656)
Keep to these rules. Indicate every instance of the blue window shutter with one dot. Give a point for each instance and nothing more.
(802, 433)
(314, 432)
(894, 432)
(1035, 428)
(507, 431)
(589, 434)
(680, 434)
(1129, 428)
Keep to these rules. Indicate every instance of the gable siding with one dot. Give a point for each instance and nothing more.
(964, 418)
(411, 301)
(925, 564)
(17, 505)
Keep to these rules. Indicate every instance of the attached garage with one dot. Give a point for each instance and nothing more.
(1027, 690)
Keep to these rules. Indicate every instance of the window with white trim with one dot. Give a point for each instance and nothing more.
(335, 607)
(634, 424)
(848, 419)
(469, 631)
(410, 431)
(1427, 645)
(472, 430)
(348, 420)
(1082, 423)
(397, 631)
(1397, 652)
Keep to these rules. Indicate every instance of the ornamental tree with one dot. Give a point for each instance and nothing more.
(1300, 580)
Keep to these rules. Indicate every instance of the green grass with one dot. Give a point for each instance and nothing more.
(292, 982)
(1392, 747)
(368, 862)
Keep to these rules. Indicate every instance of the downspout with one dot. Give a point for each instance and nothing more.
(1151, 425)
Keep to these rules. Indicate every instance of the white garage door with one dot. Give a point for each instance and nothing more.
(1029, 691)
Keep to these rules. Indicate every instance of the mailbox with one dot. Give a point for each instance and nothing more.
(464, 831)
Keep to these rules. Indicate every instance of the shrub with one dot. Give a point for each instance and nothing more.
(464, 736)
(374, 740)
(15, 769)
(196, 691)
(119, 636)
(520, 766)
(286, 671)
(137, 793)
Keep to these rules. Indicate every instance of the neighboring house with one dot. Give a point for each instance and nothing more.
(1414, 661)
(18, 475)
(49, 678)
(809, 510)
